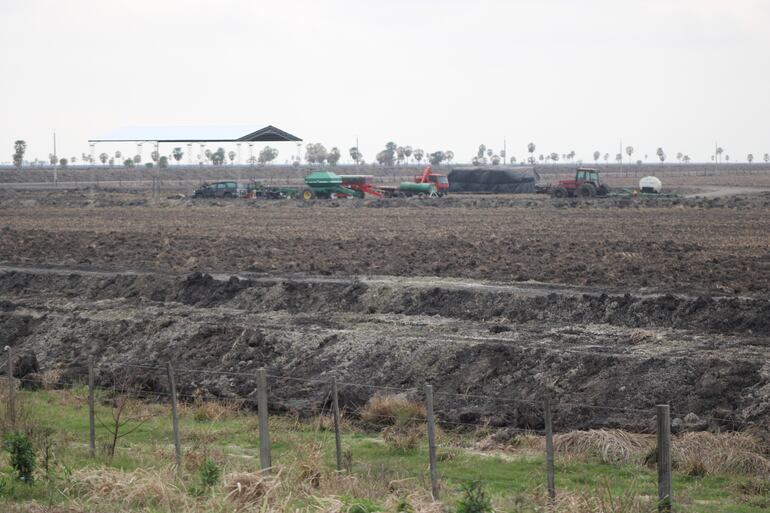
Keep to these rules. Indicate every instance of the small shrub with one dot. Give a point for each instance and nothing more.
(210, 473)
(474, 499)
(22, 454)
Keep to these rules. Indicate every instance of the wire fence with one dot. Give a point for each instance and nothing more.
(153, 383)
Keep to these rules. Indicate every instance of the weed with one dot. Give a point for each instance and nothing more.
(474, 499)
(209, 475)
(355, 505)
(20, 448)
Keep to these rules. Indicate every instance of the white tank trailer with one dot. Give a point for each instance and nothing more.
(650, 185)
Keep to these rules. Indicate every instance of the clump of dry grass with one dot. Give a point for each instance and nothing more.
(34, 507)
(52, 379)
(140, 488)
(401, 419)
(326, 422)
(248, 489)
(404, 438)
(520, 442)
(392, 409)
(700, 453)
(211, 411)
(609, 445)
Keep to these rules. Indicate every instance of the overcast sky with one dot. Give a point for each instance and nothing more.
(565, 74)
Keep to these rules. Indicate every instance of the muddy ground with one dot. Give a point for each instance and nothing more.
(615, 305)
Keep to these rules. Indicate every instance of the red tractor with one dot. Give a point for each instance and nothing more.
(585, 185)
(439, 181)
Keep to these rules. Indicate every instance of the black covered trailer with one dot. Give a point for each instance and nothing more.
(493, 179)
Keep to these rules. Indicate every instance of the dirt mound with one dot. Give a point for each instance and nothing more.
(394, 333)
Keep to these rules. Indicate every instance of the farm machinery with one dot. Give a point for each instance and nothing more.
(585, 185)
(330, 185)
(326, 184)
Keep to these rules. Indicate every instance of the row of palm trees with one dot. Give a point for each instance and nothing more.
(393, 154)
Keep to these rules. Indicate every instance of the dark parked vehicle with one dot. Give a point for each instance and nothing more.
(220, 190)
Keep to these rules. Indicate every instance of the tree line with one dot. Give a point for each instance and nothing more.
(392, 155)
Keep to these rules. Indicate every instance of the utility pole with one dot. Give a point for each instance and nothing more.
(55, 159)
(505, 150)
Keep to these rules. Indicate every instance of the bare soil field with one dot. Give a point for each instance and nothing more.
(716, 245)
(610, 303)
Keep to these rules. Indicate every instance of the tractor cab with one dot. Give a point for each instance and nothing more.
(441, 182)
(584, 175)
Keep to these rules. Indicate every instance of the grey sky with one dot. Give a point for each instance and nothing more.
(433, 74)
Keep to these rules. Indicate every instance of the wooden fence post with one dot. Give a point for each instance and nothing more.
(174, 417)
(665, 486)
(336, 412)
(549, 447)
(431, 441)
(91, 410)
(264, 436)
(11, 390)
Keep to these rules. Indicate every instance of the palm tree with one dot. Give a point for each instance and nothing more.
(606, 158)
(117, 156)
(629, 152)
(686, 159)
(720, 151)
(596, 156)
(661, 154)
(400, 154)
(177, 153)
(449, 155)
(679, 156)
(418, 155)
(531, 149)
(408, 152)
(619, 157)
(355, 154)
(767, 158)
(103, 157)
(750, 158)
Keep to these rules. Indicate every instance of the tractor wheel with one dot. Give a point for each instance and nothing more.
(307, 195)
(559, 192)
(603, 190)
(586, 191)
